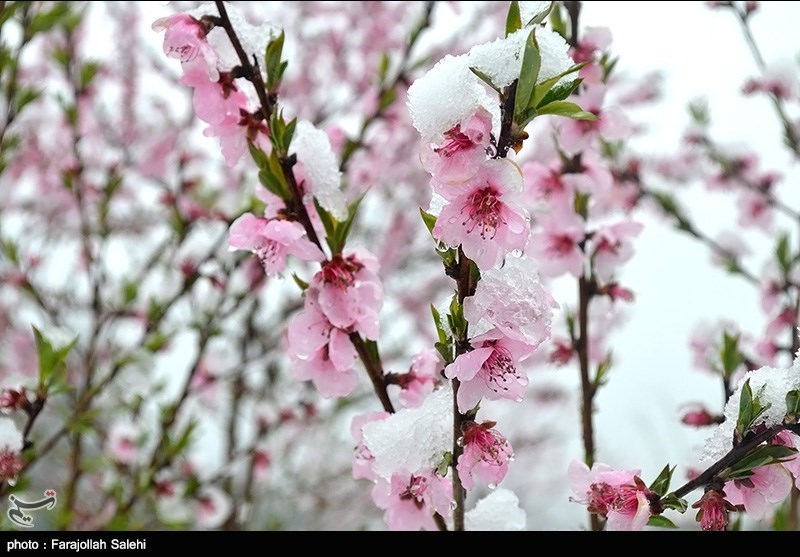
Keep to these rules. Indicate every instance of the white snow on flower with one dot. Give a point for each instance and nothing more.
(413, 438)
(445, 96)
(775, 383)
(529, 10)
(10, 436)
(320, 168)
(254, 38)
(512, 299)
(497, 512)
(554, 51)
(501, 60)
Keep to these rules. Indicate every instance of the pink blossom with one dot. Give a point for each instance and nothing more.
(562, 353)
(12, 399)
(421, 379)
(792, 463)
(556, 246)
(611, 247)
(768, 486)
(463, 150)
(618, 495)
(185, 39)
(322, 354)
(611, 124)
(123, 443)
(486, 455)
(755, 210)
(490, 370)
(212, 507)
(593, 40)
(410, 500)
(363, 459)
(713, 511)
(782, 322)
(10, 464)
(547, 183)
(348, 292)
(272, 241)
(223, 107)
(484, 215)
(699, 417)
(771, 289)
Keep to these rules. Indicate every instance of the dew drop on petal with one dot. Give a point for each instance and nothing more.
(492, 486)
(460, 441)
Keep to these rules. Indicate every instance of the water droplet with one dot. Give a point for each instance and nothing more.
(460, 441)
(452, 220)
(511, 458)
(12, 481)
(453, 505)
(492, 486)
(518, 399)
(517, 253)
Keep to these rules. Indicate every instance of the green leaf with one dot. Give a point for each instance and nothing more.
(130, 290)
(730, 355)
(272, 60)
(513, 19)
(343, 228)
(428, 219)
(541, 16)
(458, 324)
(52, 359)
(792, 407)
(674, 503)
(25, 96)
(485, 78)
(661, 521)
(567, 109)
(328, 223)
(763, 455)
(602, 371)
(288, 133)
(543, 88)
(560, 92)
(745, 418)
(782, 253)
(557, 21)
(383, 67)
(445, 463)
(300, 282)
(387, 98)
(46, 20)
(372, 350)
(88, 72)
(581, 204)
(529, 74)
(661, 484)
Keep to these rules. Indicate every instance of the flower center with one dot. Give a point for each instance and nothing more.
(340, 272)
(415, 491)
(500, 370)
(484, 208)
(455, 141)
(561, 245)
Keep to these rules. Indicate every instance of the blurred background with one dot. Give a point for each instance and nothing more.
(177, 409)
